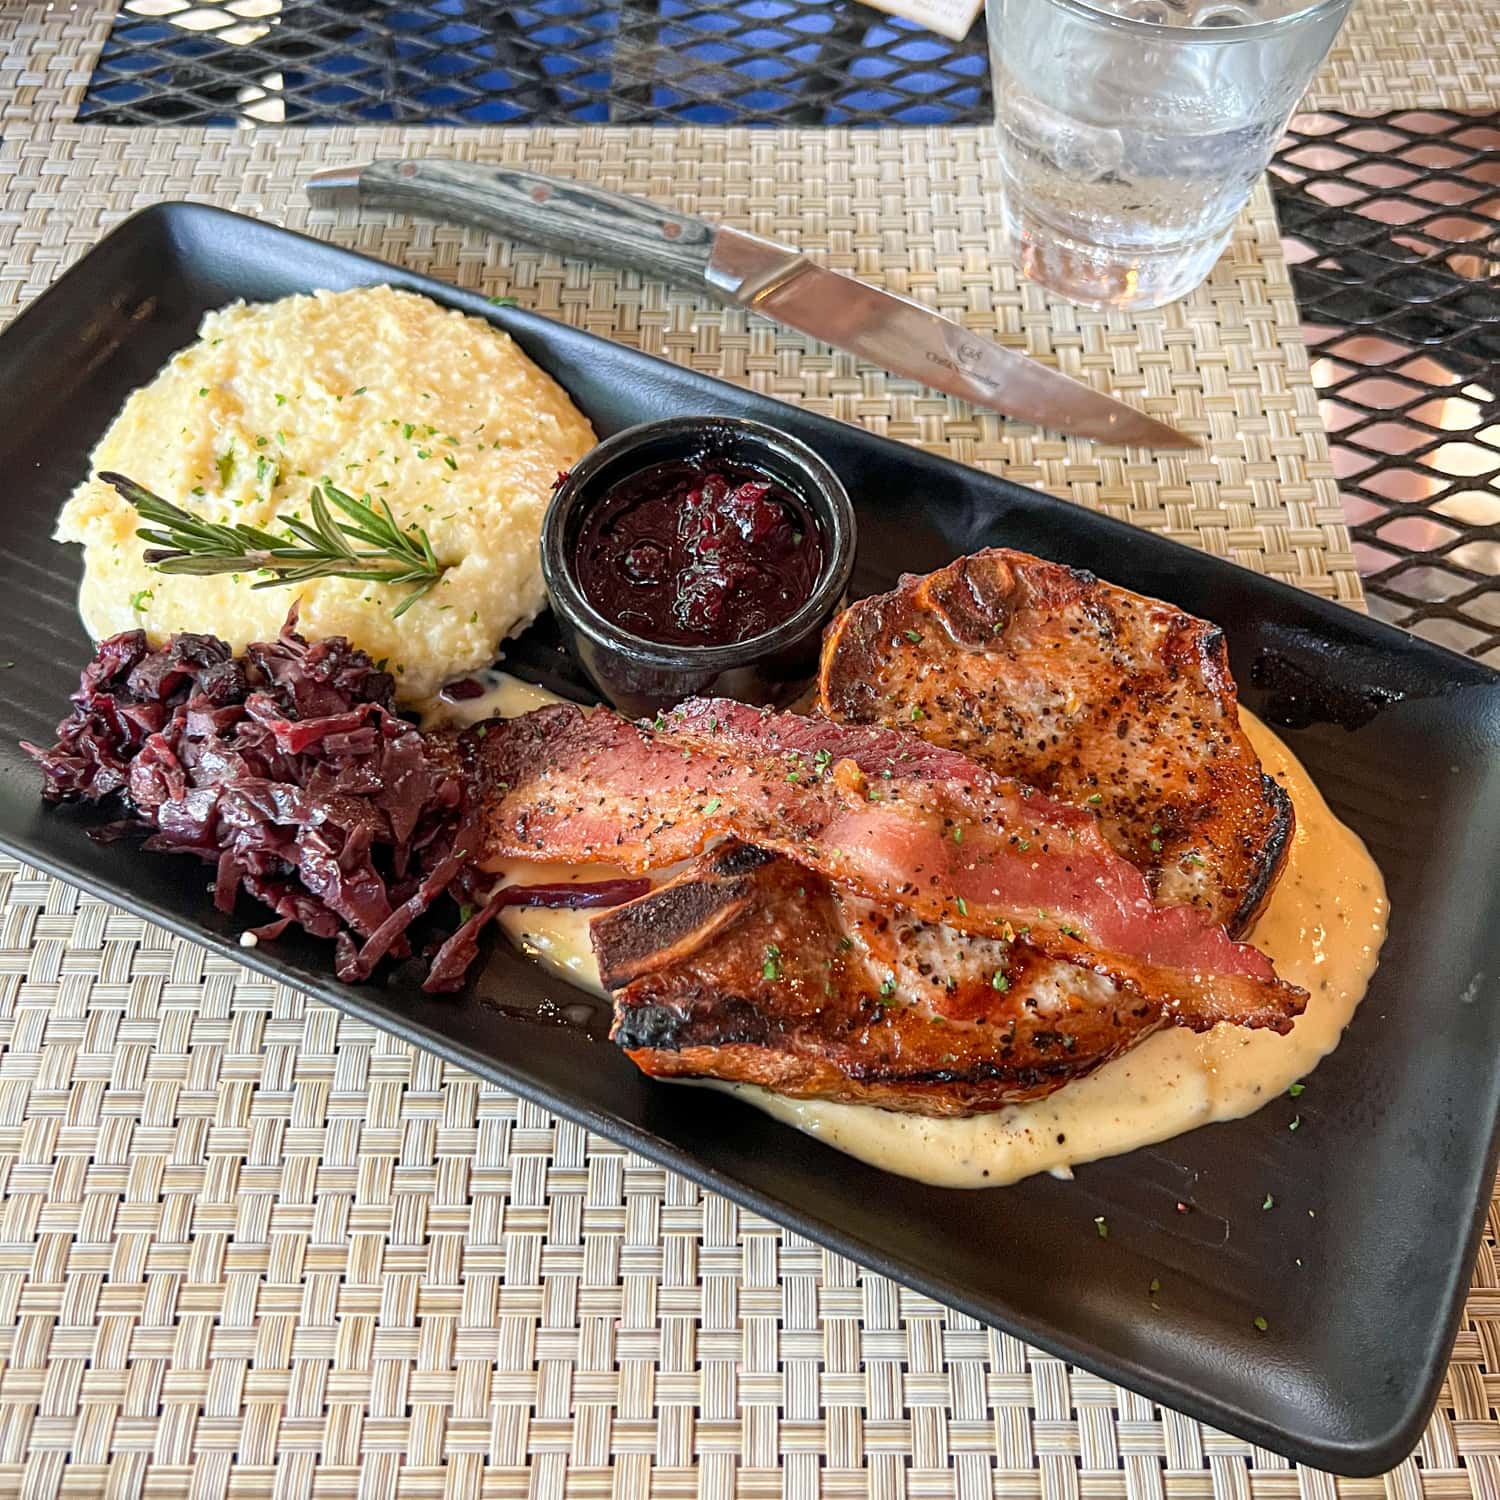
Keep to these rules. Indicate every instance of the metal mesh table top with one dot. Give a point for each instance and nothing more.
(465, 62)
(1393, 227)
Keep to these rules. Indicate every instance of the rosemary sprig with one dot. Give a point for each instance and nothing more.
(185, 543)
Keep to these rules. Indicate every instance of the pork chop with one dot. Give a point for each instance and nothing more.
(749, 968)
(1096, 696)
(879, 813)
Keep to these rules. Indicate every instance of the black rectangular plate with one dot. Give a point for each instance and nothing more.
(1361, 1270)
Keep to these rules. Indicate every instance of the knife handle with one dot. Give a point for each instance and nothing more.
(553, 212)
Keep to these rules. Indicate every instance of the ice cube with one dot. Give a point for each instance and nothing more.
(1085, 151)
(1223, 13)
(1155, 11)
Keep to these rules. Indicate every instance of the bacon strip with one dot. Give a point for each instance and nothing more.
(879, 813)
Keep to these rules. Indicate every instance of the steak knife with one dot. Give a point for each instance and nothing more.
(772, 279)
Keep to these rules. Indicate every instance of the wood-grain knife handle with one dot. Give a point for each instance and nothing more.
(553, 212)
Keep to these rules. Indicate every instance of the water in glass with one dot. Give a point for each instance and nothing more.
(1131, 132)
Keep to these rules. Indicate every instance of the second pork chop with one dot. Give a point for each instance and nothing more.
(1094, 695)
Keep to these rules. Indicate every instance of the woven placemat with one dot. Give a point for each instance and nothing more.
(250, 1247)
(913, 210)
(1411, 54)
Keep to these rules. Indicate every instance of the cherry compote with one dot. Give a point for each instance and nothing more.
(699, 554)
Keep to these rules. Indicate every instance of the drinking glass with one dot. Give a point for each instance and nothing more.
(1131, 132)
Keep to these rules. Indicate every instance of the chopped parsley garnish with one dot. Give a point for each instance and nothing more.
(281, 400)
(1102, 1225)
(661, 722)
(821, 761)
(712, 805)
(846, 943)
(1097, 797)
(503, 302)
(1261, 1325)
(1269, 1203)
(1001, 981)
(1155, 1286)
(793, 776)
(225, 465)
(1295, 1122)
(139, 598)
(359, 390)
(914, 636)
(916, 713)
(1295, 1091)
(888, 986)
(465, 912)
(958, 834)
(963, 907)
(1156, 846)
(450, 461)
(771, 969)
(202, 390)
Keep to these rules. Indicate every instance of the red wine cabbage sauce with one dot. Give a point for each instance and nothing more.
(699, 554)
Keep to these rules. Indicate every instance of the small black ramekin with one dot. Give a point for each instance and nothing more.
(640, 676)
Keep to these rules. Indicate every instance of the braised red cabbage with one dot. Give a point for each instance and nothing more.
(287, 769)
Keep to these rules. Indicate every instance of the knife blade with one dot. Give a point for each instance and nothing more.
(748, 270)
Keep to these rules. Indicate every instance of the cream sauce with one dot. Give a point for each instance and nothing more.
(555, 937)
(1323, 928)
(504, 697)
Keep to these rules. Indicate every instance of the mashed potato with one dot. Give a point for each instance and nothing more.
(383, 392)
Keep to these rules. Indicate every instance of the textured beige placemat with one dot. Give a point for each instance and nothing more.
(248, 1247)
(913, 210)
(1411, 54)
